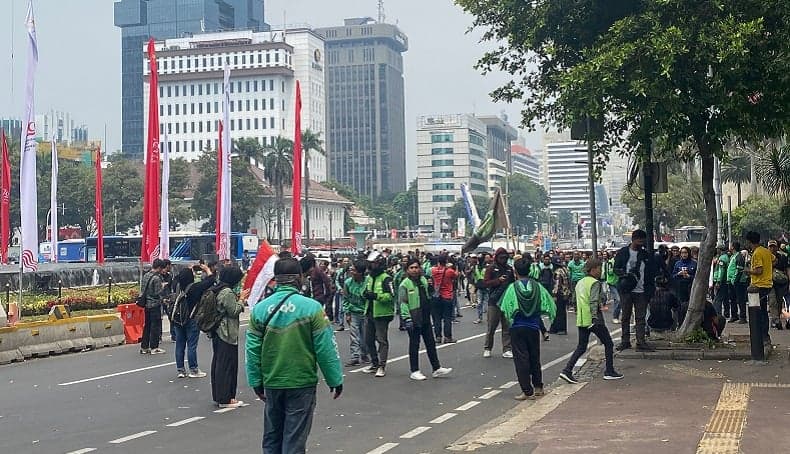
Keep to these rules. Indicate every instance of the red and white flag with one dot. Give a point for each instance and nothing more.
(53, 206)
(99, 213)
(164, 212)
(150, 240)
(223, 173)
(260, 273)
(296, 209)
(5, 202)
(27, 177)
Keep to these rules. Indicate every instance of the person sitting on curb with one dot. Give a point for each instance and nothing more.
(589, 319)
(663, 307)
(522, 305)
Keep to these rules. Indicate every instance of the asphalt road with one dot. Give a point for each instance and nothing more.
(117, 401)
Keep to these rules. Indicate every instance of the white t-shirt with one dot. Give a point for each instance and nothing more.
(633, 258)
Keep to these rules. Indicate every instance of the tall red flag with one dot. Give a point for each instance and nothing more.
(99, 214)
(5, 202)
(296, 210)
(150, 241)
(217, 222)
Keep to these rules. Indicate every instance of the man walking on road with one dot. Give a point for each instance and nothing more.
(576, 271)
(636, 269)
(354, 306)
(152, 288)
(289, 337)
(444, 277)
(497, 279)
(380, 311)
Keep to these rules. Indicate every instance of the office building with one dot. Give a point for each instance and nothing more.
(12, 128)
(366, 130)
(60, 126)
(497, 174)
(566, 178)
(451, 150)
(262, 82)
(165, 19)
(526, 163)
(500, 136)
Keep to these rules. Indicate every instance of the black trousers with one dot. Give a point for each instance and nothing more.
(560, 323)
(152, 330)
(224, 370)
(426, 333)
(602, 333)
(525, 343)
(442, 315)
(636, 303)
(741, 295)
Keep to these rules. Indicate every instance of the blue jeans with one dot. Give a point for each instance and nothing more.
(356, 329)
(482, 302)
(616, 298)
(340, 318)
(442, 313)
(186, 338)
(288, 418)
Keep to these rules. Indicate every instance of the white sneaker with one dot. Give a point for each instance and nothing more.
(616, 321)
(418, 376)
(197, 373)
(441, 372)
(157, 351)
(380, 372)
(182, 374)
(507, 354)
(237, 404)
(486, 353)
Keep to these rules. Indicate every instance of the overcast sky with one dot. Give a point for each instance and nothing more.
(80, 59)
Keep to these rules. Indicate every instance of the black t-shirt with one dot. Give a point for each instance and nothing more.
(661, 305)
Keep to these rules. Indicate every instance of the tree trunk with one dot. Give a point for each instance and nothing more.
(739, 194)
(279, 195)
(699, 288)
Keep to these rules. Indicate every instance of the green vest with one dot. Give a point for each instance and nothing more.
(414, 296)
(383, 304)
(478, 273)
(583, 311)
(609, 274)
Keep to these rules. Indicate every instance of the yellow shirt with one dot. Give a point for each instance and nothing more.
(762, 257)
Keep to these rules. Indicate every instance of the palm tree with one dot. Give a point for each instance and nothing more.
(278, 170)
(738, 170)
(310, 141)
(773, 172)
(249, 148)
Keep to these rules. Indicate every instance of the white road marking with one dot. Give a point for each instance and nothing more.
(383, 448)
(186, 421)
(438, 347)
(468, 405)
(490, 394)
(509, 385)
(126, 372)
(416, 431)
(82, 451)
(225, 410)
(133, 437)
(444, 418)
(568, 355)
(581, 362)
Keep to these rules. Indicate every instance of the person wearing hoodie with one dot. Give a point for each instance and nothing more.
(415, 310)
(499, 275)
(225, 340)
(354, 306)
(522, 305)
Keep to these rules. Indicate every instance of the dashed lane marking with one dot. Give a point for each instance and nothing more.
(468, 405)
(509, 385)
(133, 437)
(416, 431)
(383, 448)
(126, 372)
(443, 418)
(82, 451)
(490, 394)
(186, 421)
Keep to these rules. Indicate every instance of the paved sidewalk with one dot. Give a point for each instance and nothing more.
(665, 406)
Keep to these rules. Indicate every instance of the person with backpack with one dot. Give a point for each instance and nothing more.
(225, 338)
(151, 291)
(523, 304)
(288, 340)
(183, 321)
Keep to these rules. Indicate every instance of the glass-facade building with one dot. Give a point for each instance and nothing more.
(164, 19)
(366, 130)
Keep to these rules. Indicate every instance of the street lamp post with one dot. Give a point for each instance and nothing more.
(330, 231)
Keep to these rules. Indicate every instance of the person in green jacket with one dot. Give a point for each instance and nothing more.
(720, 286)
(415, 309)
(576, 271)
(522, 304)
(225, 340)
(589, 320)
(739, 282)
(380, 311)
(354, 306)
(283, 358)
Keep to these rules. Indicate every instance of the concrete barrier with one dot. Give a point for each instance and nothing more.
(41, 339)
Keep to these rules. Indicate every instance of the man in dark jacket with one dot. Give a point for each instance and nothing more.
(637, 269)
(499, 275)
(152, 287)
(317, 284)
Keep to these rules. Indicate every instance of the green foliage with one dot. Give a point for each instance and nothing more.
(566, 221)
(682, 205)
(737, 169)
(760, 214)
(699, 336)
(122, 193)
(278, 171)
(79, 299)
(773, 171)
(527, 203)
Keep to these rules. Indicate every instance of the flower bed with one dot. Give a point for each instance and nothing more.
(79, 299)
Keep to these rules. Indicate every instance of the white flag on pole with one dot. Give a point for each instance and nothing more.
(27, 173)
(164, 217)
(223, 223)
(53, 205)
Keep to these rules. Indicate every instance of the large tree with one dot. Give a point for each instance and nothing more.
(311, 142)
(278, 170)
(684, 71)
(681, 205)
(737, 169)
(527, 202)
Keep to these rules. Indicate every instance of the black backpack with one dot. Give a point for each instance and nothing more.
(179, 310)
(207, 313)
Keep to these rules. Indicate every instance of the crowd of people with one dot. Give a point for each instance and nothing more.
(290, 334)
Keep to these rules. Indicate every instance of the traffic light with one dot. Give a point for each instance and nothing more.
(578, 231)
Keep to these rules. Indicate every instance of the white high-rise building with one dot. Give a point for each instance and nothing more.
(264, 70)
(526, 163)
(60, 126)
(566, 178)
(451, 150)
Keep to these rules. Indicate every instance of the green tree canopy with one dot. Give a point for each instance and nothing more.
(527, 202)
(760, 214)
(681, 205)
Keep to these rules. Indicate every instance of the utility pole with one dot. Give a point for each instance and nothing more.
(647, 173)
(591, 177)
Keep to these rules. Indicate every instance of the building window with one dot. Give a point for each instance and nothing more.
(436, 151)
(271, 122)
(200, 89)
(241, 126)
(442, 162)
(200, 107)
(178, 108)
(271, 84)
(177, 87)
(168, 91)
(440, 186)
(443, 174)
(441, 137)
(478, 187)
(248, 124)
(255, 105)
(477, 176)
(192, 108)
(255, 85)
(256, 123)
(444, 198)
(271, 103)
(477, 164)
(477, 139)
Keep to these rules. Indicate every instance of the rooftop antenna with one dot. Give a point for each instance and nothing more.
(285, 25)
(382, 16)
